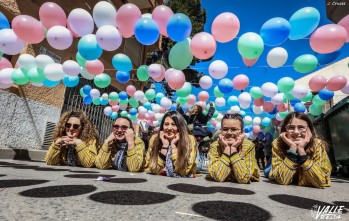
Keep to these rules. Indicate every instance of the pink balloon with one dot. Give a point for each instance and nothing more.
(203, 96)
(225, 27)
(4, 63)
(268, 106)
(94, 67)
(282, 107)
(259, 102)
(203, 45)
(317, 83)
(176, 79)
(256, 129)
(115, 108)
(240, 82)
(162, 75)
(28, 29)
(130, 89)
(336, 83)
(249, 62)
(113, 103)
(344, 22)
(126, 18)
(161, 14)
(51, 15)
(191, 99)
(202, 104)
(72, 32)
(140, 116)
(328, 38)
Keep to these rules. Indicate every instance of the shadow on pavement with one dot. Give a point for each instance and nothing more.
(127, 180)
(87, 176)
(76, 171)
(342, 203)
(2, 175)
(131, 197)
(58, 191)
(25, 167)
(2, 163)
(49, 169)
(18, 183)
(195, 189)
(230, 211)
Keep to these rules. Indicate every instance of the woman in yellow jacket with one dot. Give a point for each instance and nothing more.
(232, 157)
(298, 155)
(74, 141)
(122, 150)
(172, 152)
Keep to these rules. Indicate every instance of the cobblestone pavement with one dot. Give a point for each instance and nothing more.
(35, 191)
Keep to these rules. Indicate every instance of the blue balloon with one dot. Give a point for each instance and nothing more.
(122, 62)
(179, 27)
(88, 100)
(327, 58)
(122, 77)
(158, 97)
(70, 81)
(246, 130)
(147, 105)
(88, 47)
(273, 111)
(86, 89)
(260, 136)
(103, 101)
(294, 101)
(132, 111)
(266, 121)
(275, 31)
(225, 85)
(325, 94)
(146, 31)
(233, 100)
(49, 83)
(4, 22)
(173, 107)
(303, 22)
(114, 115)
(299, 107)
(268, 136)
(123, 95)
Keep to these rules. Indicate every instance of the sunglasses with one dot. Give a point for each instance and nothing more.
(75, 126)
(117, 127)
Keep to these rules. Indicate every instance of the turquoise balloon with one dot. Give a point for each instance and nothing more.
(18, 77)
(114, 115)
(180, 55)
(232, 101)
(102, 80)
(142, 73)
(303, 22)
(315, 109)
(266, 121)
(185, 90)
(49, 83)
(250, 45)
(113, 96)
(305, 63)
(36, 75)
(150, 94)
(70, 81)
(122, 62)
(81, 61)
(88, 47)
(285, 84)
(217, 93)
(307, 97)
(256, 92)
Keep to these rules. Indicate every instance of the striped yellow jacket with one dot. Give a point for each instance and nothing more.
(315, 171)
(241, 167)
(86, 154)
(134, 157)
(191, 166)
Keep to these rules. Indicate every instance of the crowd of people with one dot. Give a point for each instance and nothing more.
(297, 156)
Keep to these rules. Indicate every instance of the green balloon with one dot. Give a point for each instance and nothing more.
(96, 101)
(1, 54)
(318, 101)
(102, 80)
(217, 92)
(185, 90)
(142, 73)
(113, 96)
(288, 96)
(315, 109)
(256, 92)
(133, 102)
(123, 113)
(180, 55)
(183, 100)
(285, 84)
(81, 61)
(204, 112)
(250, 45)
(134, 117)
(82, 92)
(123, 102)
(150, 94)
(283, 114)
(18, 77)
(36, 75)
(305, 63)
(215, 114)
(307, 97)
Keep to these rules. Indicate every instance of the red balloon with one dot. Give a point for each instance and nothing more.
(282, 107)
(259, 102)
(268, 106)
(28, 29)
(249, 62)
(317, 83)
(240, 82)
(336, 83)
(94, 67)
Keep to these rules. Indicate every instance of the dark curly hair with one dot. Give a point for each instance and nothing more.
(88, 131)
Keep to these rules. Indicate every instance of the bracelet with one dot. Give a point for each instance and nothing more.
(165, 148)
(292, 152)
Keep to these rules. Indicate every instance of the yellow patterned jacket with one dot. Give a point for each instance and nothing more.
(86, 154)
(315, 171)
(241, 167)
(191, 166)
(134, 157)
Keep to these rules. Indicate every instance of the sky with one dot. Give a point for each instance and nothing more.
(252, 15)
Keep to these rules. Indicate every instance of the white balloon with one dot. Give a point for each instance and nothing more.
(4, 85)
(345, 89)
(257, 109)
(71, 68)
(205, 82)
(43, 60)
(220, 101)
(154, 70)
(299, 91)
(6, 76)
(151, 113)
(108, 37)
(104, 13)
(54, 72)
(37, 84)
(218, 125)
(244, 100)
(9, 42)
(248, 120)
(26, 61)
(278, 117)
(158, 116)
(86, 74)
(144, 100)
(277, 57)
(257, 121)
(147, 15)
(94, 93)
(278, 99)
(219, 117)
(235, 109)
(165, 103)
(218, 69)
(269, 89)
(156, 108)
(142, 110)
(80, 22)
(108, 111)
(139, 96)
(105, 96)
(59, 37)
